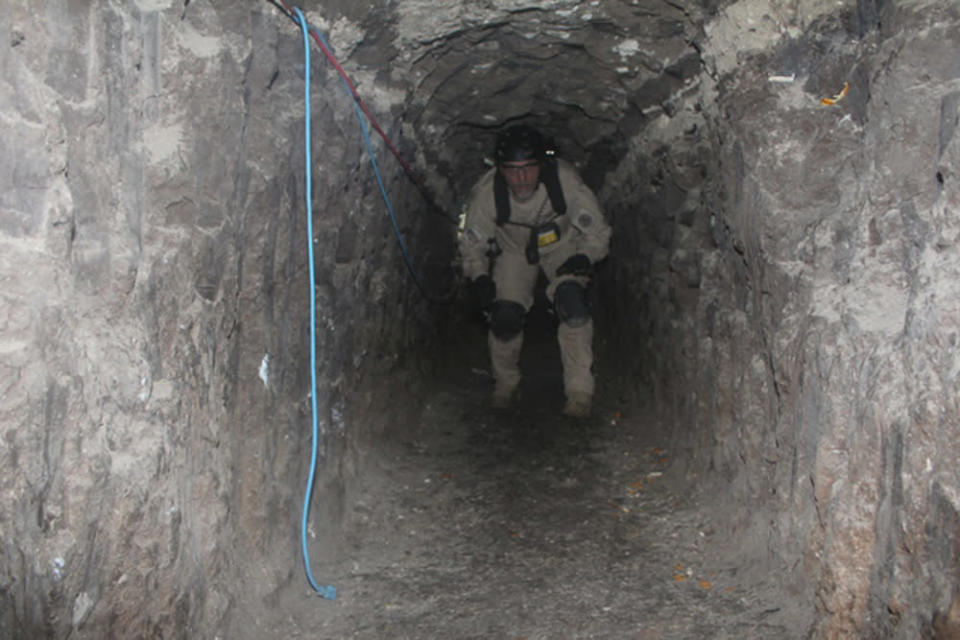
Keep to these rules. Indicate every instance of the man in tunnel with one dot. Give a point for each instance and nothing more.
(533, 213)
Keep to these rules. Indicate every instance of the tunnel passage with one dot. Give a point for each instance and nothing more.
(780, 296)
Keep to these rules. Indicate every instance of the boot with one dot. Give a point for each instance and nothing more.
(503, 398)
(578, 405)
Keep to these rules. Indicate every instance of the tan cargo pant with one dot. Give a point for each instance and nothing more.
(515, 280)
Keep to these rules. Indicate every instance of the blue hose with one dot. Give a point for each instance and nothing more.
(408, 261)
(327, 592)
(361, 110)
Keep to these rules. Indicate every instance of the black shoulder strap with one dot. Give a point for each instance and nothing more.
(501, 198)
(550, 178)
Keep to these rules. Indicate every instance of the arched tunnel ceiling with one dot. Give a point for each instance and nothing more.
(589, 73)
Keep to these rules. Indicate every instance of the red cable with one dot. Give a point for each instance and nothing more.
(373, 121)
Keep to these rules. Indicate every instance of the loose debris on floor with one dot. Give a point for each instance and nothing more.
(524, 525)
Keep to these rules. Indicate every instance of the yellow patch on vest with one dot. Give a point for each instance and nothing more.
(547, 237)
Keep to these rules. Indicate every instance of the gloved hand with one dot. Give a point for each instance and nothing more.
(482, 291)
(577, 264)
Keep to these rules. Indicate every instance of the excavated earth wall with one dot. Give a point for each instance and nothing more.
(782, 283)
(154, 370)
(799, 318)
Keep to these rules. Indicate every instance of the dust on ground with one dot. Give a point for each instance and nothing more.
(525, 524)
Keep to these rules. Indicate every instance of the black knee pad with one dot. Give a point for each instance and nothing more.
(570, 303)
(506, 319)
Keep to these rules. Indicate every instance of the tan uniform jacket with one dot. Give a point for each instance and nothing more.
(582, 229)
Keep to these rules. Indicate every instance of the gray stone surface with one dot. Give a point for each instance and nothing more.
(781, 289)
(812, 367)
(155, 412)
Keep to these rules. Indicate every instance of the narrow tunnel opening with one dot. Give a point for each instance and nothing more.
(772, 444)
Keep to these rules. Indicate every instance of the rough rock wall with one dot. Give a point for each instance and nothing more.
(782, 270)
(153, 392)
(799, 308)
(588, 74)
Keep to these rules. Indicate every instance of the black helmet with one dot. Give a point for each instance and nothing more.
(520, 142)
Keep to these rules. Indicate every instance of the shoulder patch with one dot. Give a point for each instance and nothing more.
(584, 219)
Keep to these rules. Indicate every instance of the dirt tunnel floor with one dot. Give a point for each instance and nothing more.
(524, 524)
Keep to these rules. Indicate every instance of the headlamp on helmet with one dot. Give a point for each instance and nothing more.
(519, 143)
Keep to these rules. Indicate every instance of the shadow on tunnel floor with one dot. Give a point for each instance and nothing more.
(479, 523)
